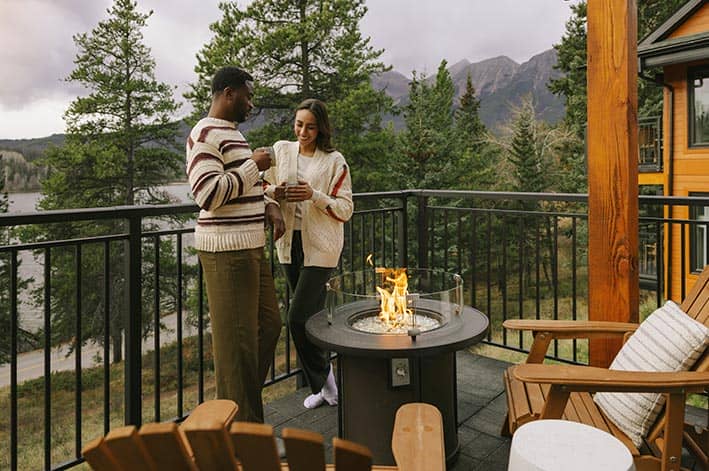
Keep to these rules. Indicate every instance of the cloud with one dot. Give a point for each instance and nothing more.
(417, 35)
(37, 48)
(39, 117)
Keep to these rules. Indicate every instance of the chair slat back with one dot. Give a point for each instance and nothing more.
(418, 426)
(211, 445)
(351, 456)
(99, 456)
(696, 305)
(255, 446)
(128, 449)
(167, 447)
(305, 450)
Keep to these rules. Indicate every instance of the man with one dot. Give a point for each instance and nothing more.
(224, 177)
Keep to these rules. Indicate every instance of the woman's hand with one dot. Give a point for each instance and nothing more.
(300, 192)
(279, 192)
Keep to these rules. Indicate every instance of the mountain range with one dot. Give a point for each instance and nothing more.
(500, 84)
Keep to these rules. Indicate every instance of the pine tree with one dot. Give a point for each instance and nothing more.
(427, 140)
(477, 161)
(571, 53)
(120, 145)
(302, 49)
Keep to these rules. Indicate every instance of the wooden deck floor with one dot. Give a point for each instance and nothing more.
(481, 409)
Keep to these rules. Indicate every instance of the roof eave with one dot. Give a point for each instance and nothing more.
(666, 28)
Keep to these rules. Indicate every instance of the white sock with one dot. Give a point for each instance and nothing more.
(313, 401)
(329, 390)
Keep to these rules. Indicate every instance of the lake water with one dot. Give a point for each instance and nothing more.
(26, 202)
(30, 316)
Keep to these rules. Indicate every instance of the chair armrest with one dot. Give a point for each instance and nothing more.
(591, 379)
(571, 329)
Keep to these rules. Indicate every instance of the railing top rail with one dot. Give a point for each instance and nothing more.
(503, 195)
(144, 211)
(90, 214)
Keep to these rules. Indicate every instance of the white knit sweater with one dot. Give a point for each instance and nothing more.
(225, 183)
(324, 214)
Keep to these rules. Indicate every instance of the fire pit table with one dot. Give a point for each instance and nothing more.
(410, 357)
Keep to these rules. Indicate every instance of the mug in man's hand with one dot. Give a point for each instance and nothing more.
(269, 151)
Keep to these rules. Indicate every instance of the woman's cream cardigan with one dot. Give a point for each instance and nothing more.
(324, 215)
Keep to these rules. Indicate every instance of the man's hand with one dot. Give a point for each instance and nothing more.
(275, 220)
(262, 159)
(279, 192)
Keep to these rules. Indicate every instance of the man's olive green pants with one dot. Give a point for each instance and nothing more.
(245, 325)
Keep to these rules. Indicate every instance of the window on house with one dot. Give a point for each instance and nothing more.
(699, 107)
(698, 235)
(649, 232)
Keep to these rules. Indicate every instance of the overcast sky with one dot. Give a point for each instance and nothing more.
(37, 50)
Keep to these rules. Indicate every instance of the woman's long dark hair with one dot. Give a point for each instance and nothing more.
(319, 110)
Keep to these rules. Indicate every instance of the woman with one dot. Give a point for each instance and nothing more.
(311, 180)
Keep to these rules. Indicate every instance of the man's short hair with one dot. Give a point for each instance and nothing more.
(229, 76)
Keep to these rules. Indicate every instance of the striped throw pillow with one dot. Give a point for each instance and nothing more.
(668, 340)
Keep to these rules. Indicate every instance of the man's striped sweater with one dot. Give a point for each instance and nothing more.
(225, 183)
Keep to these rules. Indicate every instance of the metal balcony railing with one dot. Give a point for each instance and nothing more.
(136, 294)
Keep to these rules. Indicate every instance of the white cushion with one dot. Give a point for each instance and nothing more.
(668, 340)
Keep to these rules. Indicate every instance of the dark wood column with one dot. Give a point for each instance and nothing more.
(612, 167)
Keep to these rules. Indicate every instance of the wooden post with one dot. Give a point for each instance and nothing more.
(612, 168)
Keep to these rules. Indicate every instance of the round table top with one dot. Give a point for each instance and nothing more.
(559, 445)
(460, 331)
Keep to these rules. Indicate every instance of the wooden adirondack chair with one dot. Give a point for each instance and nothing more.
(537, 391)
(207, 440)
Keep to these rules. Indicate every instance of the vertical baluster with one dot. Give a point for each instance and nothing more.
(200, 331)
(520, 275)
(502, 277)
(156, 323)
(180, 376)
(47, 358)
(573, 281)
(555, 275)
(13, 359)
(683, 261)
(659, 263)
(489, 271)
(106, 337)
(77, 353)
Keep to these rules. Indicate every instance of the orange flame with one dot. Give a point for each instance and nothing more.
(394, 310)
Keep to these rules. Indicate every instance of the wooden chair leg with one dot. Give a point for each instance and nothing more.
(697, 442)
(350, 456)
(555, 403)
(505, 429)
(674, 425)
(305, 450)
(539, 348)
